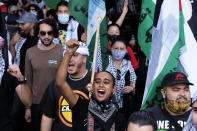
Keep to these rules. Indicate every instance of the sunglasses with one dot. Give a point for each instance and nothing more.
(14, 12)
(43, 33)
(118, 74)
(194, 109)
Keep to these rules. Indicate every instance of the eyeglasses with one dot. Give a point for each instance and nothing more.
(43, 33)
(118, 74)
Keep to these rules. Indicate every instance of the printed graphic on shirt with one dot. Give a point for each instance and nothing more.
(65, 113)
(164, 124)
(52, 62)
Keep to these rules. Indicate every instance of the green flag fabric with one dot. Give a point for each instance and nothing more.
(79, 10)
(52, 3)
(146, 25)
(167, 39)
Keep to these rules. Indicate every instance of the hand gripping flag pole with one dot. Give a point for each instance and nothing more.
(95, 54)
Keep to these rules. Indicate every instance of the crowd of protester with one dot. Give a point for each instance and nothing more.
(45, 85)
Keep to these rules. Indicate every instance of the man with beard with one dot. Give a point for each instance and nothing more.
(57, 115)
(98, 113)
(173, 115)
(41, 64)
(26, 25)
(18, 47)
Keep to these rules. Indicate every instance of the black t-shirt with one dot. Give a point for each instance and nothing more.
(55, 106)
(80, 113)
(7, 88)
(160, 114)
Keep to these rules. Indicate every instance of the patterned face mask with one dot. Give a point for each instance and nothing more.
(118, 55)
(178, 107)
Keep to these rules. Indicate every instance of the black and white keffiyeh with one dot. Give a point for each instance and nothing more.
(120, 83)
(102, 110)
(18, 47)
(2, 67)
(104, 113)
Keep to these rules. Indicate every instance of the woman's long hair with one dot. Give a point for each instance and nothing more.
(3, 33)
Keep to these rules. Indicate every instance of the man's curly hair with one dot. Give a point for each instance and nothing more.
(49, 22)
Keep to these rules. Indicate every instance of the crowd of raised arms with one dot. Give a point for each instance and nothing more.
(46, 85)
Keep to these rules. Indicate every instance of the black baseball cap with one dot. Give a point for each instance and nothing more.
(174, 78)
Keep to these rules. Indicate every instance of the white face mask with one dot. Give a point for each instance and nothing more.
(63, 18)
(33, 12)
(110, 22)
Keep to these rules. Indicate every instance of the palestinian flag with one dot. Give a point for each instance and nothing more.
(52, 3)
(188, 53)
(86, 12)
(167, 39)
(146, 25)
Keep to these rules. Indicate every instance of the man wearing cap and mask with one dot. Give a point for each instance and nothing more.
(26, 25)
(54, 105)
(12, 25)
(18, 46)
(173, 115)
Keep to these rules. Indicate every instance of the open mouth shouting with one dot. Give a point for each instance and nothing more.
(71, 66)
(101, 92)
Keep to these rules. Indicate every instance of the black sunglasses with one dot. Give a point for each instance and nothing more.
(118, 74)
(43, 33)
(194, 109)
(14, 12)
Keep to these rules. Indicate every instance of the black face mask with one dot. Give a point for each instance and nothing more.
(112, 38)
(12, 29)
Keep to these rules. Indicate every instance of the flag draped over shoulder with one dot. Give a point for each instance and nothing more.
(146, 25)
(86, 12)
(167, 39)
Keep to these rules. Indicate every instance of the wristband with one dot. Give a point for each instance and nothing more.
(22, 82)
(27, 107)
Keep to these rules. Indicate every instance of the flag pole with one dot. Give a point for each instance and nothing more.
(95, 53)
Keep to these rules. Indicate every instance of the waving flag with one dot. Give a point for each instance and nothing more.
(146, 25)
(86, 13)
(167, 39)
(52, 3)
(187, 62)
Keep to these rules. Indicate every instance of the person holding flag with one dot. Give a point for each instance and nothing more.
(97, 113)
